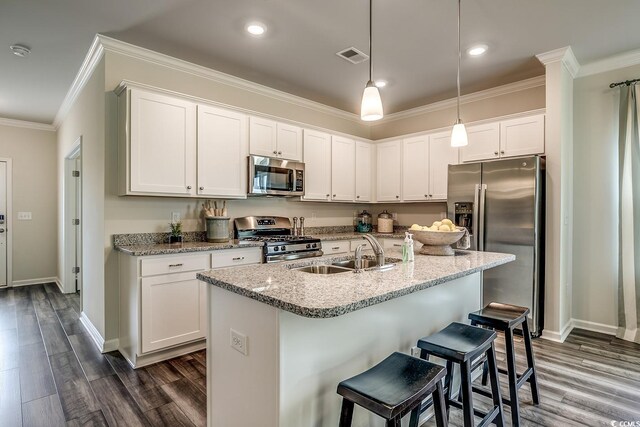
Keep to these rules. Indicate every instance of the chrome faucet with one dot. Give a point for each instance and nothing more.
(377, 248)
(358, 256)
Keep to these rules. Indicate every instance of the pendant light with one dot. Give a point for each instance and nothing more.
(371, 108)
(459, 133)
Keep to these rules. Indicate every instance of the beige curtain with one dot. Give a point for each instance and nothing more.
(629, 264)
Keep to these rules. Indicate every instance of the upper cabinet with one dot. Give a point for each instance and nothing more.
(364, 171)
(223, 148)
(317, 165)
(441, 155)
(269, 138)
(343, 174)
(168, 152)
(389, 176)
(521, 136)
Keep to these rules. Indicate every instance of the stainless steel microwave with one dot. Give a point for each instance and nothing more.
(269, 176)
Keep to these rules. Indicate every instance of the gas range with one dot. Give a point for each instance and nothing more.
(280, 243)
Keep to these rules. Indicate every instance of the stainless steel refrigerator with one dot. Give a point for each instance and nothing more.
(502, 204)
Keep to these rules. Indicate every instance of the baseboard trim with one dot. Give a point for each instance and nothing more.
(59, 283)
(93, 332)
(594, 327)
(558, 336)
(39, 281)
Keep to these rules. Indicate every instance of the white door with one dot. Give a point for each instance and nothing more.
(3, 223)
(222, 152)
(415, 168)
(163, 144)
(78, 224)
(441, 155)
(364, 170)
(317, 165)
(289, 141)
(484, 143)
(389, 179)
(262, 137)
(522, 136)
(343, 168)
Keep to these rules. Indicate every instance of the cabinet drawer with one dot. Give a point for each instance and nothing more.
(331, 247)
(392, 244)
(358, 242)
(174, 264)
(233, 257)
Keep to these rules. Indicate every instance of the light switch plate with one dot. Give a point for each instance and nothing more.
(239, 342)
(24, 216)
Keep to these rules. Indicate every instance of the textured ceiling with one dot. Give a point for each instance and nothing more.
(414, 43)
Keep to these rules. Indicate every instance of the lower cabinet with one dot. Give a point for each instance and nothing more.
(333, 247)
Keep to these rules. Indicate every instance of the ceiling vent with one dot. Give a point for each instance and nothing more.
(353, 55)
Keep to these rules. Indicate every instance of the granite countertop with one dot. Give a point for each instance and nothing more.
(323, 296)
(178, 248)
(353, 235)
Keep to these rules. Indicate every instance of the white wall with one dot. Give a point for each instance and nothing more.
(33, 154)
(595, 240)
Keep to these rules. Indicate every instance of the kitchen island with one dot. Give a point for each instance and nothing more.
(280, 340)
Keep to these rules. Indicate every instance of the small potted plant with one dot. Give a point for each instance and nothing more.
(176, 232)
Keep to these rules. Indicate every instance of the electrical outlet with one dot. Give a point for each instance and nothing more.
(394, 215)
(175, 217)
(24, 216)
(239, 342)
(415, 351)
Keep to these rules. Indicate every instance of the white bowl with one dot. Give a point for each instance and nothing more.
(437, 242)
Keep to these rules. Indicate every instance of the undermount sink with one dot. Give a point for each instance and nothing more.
(351, 263)
(324, 269)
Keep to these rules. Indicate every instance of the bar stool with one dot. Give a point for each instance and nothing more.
(505, 318)
(393, 388)
(464, 345)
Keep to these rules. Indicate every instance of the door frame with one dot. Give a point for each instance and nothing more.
(71, 244)
(8, 220)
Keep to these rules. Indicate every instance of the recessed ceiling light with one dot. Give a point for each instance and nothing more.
(477, 50)
(256, 28)
(20, 50)
(380, 83)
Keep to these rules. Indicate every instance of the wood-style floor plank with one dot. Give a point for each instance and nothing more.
(149, 398)
(8, 318)
(10, 403)
(94, 419)
(9, 349)
(76, 395)
(189, 399)
(94, 364)
(70, 321)
(55, 339)
(168, 415)
(28, 327)
(57, 299)
(188, 366)
(43, 412)
(130, 377)
(118, 407)
(163, 373)
(36, 380)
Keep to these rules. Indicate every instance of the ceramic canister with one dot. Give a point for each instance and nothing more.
(217, 229)
(385, 222)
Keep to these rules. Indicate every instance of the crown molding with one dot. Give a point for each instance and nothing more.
(466, 99)
(563, 54)
(627, 59)
(112, 45)
(26, 124)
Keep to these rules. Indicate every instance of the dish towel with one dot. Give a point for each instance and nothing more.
(465, 241)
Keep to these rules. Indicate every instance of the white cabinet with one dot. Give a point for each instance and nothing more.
(236, 257)
(389, 176)
(441, 155)
(522, 136)
(358, 242)
(317, 165)
(273, 139)
(161, 147)
(222, 153)
(333, 247)
(343, 159)
(364, 171)
(388, 244)
(415, 168)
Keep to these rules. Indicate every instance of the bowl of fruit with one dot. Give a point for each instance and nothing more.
(438, 238)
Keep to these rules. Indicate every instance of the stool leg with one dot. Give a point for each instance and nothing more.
(394, 422)
(439, 407)
(467, 399)
(485, 373)
(513, 378)
(448, 383)
(495, 384)
(346, 415)
(533, 379)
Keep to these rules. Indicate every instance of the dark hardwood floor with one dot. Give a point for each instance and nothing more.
(51, 374)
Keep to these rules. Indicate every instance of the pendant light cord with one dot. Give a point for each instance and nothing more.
(459, 55)
(370, 38)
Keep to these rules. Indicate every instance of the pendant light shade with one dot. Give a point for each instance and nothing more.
(459, 132)
(371, 107)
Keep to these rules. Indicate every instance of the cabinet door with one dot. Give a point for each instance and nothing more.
(343, 171)
(317, 165)
(162, 144)
(289, 141)
(415, 168)
(222, 152)
(441, 155)
(262, 137)
(332, 247)
(364, 171)
(173, 310)
(484, 143)
(522, 136)
(389, 171)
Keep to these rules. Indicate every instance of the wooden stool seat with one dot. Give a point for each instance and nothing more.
(499, 316)
(393, 388)
(458, 342)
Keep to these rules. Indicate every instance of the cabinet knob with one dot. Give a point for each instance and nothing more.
(279, 153)
(357, 197)
(397, 197)
(188, 187)
(328, 195)
(430, 195)
(276, 152)
(502, 152)
(201, 188)
(426, 195)
(334, 195)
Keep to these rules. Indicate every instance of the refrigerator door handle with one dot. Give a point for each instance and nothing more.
(483, 198)
(474, 225)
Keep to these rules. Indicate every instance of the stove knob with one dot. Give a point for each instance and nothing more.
(308, 245)
(282, 248)
(276, 249)
(314, 245)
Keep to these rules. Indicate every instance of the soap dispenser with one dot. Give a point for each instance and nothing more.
(407, 248)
